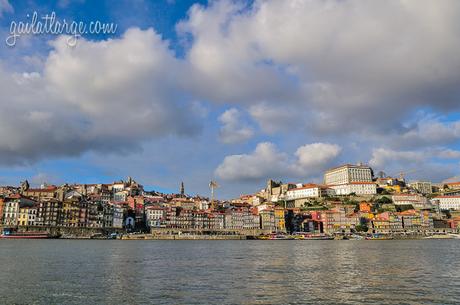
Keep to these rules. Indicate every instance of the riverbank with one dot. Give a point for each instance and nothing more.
(181, 237)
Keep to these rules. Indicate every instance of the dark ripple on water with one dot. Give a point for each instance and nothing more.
(229, 272)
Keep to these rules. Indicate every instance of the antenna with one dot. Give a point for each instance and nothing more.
(212, 185)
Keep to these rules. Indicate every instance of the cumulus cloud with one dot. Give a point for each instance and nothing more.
(273, 118)
(431, 163)
(233, 130)
(449, 154)
(429, 131)
(316, 156)
(383, 156)
(102, 96)
(267, 161)
(264, 161)
(340, 62)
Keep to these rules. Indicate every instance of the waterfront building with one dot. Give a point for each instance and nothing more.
(11, 208)
(83, 214)
(108, 215)
(338, 220)
(49, 212)
(154, 216)
(267, 219)
(27, 214)
(280, 220)
(118, 215)
(95, 215)
(2, 205)
(347, 174)
(216, 221)
(386, 222)
(411, 220)
(70, 212)
(234, 219)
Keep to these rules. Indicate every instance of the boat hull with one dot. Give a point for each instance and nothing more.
(25, 236)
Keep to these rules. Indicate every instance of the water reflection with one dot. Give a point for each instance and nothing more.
(229, 272)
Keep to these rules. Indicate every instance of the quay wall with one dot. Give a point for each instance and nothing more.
(68, 232)
(182, 237)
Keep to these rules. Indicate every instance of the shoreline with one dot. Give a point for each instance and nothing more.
(244, 237)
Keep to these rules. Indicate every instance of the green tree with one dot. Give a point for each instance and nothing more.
(361, 228)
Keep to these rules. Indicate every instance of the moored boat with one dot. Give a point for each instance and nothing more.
(275, 237)
(10, 234)
(312, 236)
(378, 237)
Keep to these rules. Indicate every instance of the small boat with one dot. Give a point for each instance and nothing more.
(378, 237)
(9, 234)
(275, 237)
(355, 237)
(319, 236)
(281, 237)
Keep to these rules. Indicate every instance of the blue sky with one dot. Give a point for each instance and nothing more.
(231, 90)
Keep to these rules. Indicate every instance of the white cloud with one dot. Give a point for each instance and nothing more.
(102, 96)
(448, 154)
(315, 157)
(233, 130)
(384, 156)
(277, 118)
(339, 62)
(430, 131)
(266, 161)
(433, 164)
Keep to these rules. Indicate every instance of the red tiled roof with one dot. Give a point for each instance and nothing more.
(47, 190)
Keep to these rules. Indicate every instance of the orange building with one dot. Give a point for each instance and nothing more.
(364, 207)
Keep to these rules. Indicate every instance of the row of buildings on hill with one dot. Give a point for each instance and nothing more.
(349, 199)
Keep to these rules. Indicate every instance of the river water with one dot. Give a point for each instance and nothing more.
(229, 272)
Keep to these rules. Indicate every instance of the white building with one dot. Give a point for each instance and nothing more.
(358, 188)
(447, 202)
(423, 187)
(418, 201)
(118, 212)
(347, 174)
(309, 191)
(11, 212)
(154, 215)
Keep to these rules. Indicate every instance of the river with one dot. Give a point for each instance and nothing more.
(229, 272)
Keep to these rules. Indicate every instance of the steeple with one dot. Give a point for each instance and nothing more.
(182, 189)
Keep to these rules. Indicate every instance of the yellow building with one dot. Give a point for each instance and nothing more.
(280, 222)
(27, 215)
(393, 188)
(71, 213)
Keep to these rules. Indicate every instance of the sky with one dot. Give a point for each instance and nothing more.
(231, 91)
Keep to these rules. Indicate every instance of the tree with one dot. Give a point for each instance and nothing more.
(384, 200)
(361, 228)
